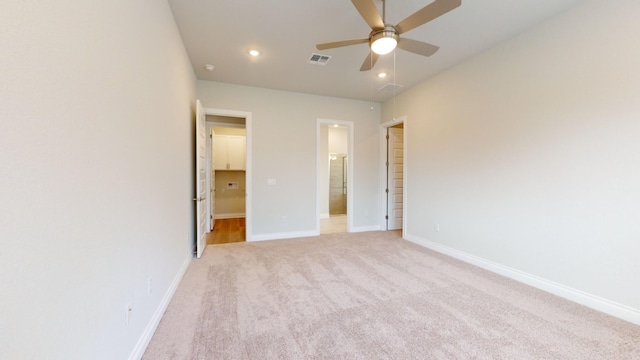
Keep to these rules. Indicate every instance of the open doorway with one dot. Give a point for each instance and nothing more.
(334, 176)
(228, 176)
(393, 174)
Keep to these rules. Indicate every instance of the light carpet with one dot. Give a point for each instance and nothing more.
(371, 296)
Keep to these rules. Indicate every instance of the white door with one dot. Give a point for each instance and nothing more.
(394, 178)
(212, 191)
(201, 182)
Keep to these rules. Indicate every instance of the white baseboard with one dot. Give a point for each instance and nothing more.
(230, 216)
(144, 340)
(299, 234)
(356, 229)
(287, 235)
(595, 302)
(324, 216)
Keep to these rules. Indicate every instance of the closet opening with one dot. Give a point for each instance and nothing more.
(393, 174)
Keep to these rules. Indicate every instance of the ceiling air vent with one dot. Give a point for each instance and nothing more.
(319, 59)
(390, 87)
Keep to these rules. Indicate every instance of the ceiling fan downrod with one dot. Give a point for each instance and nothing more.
(384, 12)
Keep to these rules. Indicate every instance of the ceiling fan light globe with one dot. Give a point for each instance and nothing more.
(384, 45)
(383, 41)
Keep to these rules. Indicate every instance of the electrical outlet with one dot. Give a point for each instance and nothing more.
(129, 313)
(284, 218)
(149, 285)
(436, 227)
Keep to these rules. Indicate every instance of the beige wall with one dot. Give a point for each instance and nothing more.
(95, 174)
(230, 203)
(338, 140)
(527, 155)
(284, 148)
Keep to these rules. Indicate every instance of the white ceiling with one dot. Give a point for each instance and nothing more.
(220, 32)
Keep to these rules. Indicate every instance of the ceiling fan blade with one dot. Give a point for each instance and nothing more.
(417, 47)
(369, 12)
(337, 44)
(426, 14)
(369, 61)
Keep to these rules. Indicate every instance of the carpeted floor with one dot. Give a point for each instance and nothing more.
(371, 296)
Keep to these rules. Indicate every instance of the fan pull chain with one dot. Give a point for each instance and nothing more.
(371, 82)
(394, 85)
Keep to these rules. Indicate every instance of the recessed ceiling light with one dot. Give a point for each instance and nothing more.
(254, 52)
(209, 67)
(382, 75)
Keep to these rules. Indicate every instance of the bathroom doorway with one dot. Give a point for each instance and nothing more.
(335, 167)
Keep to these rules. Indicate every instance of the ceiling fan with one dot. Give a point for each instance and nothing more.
(383, 37)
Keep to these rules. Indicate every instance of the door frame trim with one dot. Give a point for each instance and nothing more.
(383, 171)
(247, 117)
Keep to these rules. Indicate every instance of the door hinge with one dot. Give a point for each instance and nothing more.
(386, 217)
(387, 136)
(386, 190)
